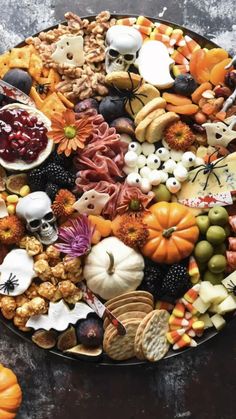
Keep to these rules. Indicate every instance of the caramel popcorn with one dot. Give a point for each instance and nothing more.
(32, 291)
(42, 269)
(47, 290)
(58, 271)
(72, 265)
(8, 306)
(52, 252)
(21, 299)
(20, 322)
(41, 256)
(34, 307)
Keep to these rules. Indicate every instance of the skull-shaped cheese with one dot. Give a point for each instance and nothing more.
(35, 209)
(69, 51)
(154, 64)
(123, 44)
(91, 202)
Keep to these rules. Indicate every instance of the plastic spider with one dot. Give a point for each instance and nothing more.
(10, 284)
(231, 287)
(42, 88)
(208, 169)
(131, 94)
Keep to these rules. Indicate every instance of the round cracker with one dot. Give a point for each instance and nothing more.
(142, 126)
(138, 338)
(146, 92)
(136, 315)
(128, 294)
(154, 342)
(119, 303)
(154, 131)
(146, 308)
(121, 79)
(119, 347)
(151, 106)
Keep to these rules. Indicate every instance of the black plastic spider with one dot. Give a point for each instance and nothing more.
(231, 287)
(42, 88)
(130, 94)
(10, 284)
(209, 168)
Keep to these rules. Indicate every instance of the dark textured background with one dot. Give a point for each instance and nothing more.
(199, 384)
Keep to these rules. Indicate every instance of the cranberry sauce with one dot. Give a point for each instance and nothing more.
(22, 136)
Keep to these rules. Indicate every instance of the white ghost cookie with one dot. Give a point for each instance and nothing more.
(91, 202)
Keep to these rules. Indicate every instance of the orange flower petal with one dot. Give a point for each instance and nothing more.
(69, 117)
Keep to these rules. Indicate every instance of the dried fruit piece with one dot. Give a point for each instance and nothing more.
(175, 99)
(218, 72)
(45, 339)
(215, 56)
(67, 339)
(190, 109)
(197, 94)
(14, 183)
(90, 332)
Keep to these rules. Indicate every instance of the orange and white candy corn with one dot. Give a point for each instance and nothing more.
(179, 309)
(145, 30)
(180, 69)
(198, 327)
(156, 36)
(185, 51)
(144, 21)
(192, 294)
(192, 45)
(179, 58)
(184, 341)
(193, 343)
(176, 35)
(175, 335)
(127, 21)
(177, 321)
(189, 306)
(193, 270)
(191, 321)
(167, 30)
(191, 333)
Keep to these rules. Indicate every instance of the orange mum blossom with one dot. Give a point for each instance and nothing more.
(68, 132)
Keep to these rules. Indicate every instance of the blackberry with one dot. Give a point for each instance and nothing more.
(36, 179)
(59, 160)
(152, 280)
(51, 190)
(176, 282)
(60, 176)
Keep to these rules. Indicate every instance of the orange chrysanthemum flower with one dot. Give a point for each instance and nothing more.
(68, 132)
(63, 203)
(11, 230)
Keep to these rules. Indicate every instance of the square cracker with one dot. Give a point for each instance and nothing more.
(52, 104)
(4, 63)
(20, 57)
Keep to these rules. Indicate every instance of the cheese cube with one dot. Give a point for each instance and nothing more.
(214, 308)
(221, 294)
(229, 304)
(205, 318)
(207, 292)
(218, 321)
(200, 305)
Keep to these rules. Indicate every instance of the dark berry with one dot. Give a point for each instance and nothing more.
(185, 84)
(37, 179)
(176, 282)
(60, 176)
(152, 279)
(51, 190)
(230, 79)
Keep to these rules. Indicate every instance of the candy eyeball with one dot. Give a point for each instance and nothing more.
(169, 166)
(131, 158)
(176, 155)
(148, 148)
(164, 176)
(153, 161)
(145, 172)
(141, 162)
(163, 153)
(188, 159)
(133, 179)
(155, 177)
(127, 169)
(136, 147)
(145, 185)
(173, 185)
(180, 172)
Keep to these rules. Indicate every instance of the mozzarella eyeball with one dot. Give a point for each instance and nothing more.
(147, 148)
(173, 185)
(127, 169)
(131, 158)
(145, 185)
(155, 177)
(164, 176)
(169, 166)
(141, 162)
(188, 159)
(133, 179)
(136, 147)
(180, 172)
(163, 153)
(145, 172)
(176, 155)
(153, 161)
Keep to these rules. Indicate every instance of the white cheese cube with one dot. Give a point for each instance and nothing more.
(221, 294)
(229, 304)
(207, 292)
(205, 318)
(218, 321)
(200, 305)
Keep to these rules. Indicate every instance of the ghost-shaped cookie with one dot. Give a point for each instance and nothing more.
(16, 272)
(154, 64)
(219, 133)
(91, 202)
(69, 51)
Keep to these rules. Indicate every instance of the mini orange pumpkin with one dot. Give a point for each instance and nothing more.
(172, 232)
(10, 393)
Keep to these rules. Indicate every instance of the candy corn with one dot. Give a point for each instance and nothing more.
(189, 306)
(188, 315)
(143, 21)
(160, 37)
(191, 333)
(193, 270)
(178, 57)
(193, 343)
(164, 305)
(192, 294)
(185, 340)
(176, 35)
(192, 45)
(175, 335)
(127, 21)
(179, 309)
(185, 51)
(198, 327)
(180, 69)
(143, 29)
(176, 321)
(167, 30)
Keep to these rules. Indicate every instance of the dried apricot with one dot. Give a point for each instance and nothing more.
(218, 72)
(175, 99)
(215, 56)
(197, 94)
(197, 66)
(183, 110)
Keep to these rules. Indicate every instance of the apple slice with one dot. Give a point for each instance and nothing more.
(218, 321)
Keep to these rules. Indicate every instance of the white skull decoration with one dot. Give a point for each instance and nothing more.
(123, 44)
(35, 209)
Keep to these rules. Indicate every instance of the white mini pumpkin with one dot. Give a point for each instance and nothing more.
(112, 268)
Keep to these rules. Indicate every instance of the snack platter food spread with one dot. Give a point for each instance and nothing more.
(117, 185)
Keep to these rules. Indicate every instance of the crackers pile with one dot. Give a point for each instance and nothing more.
(146, 328)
